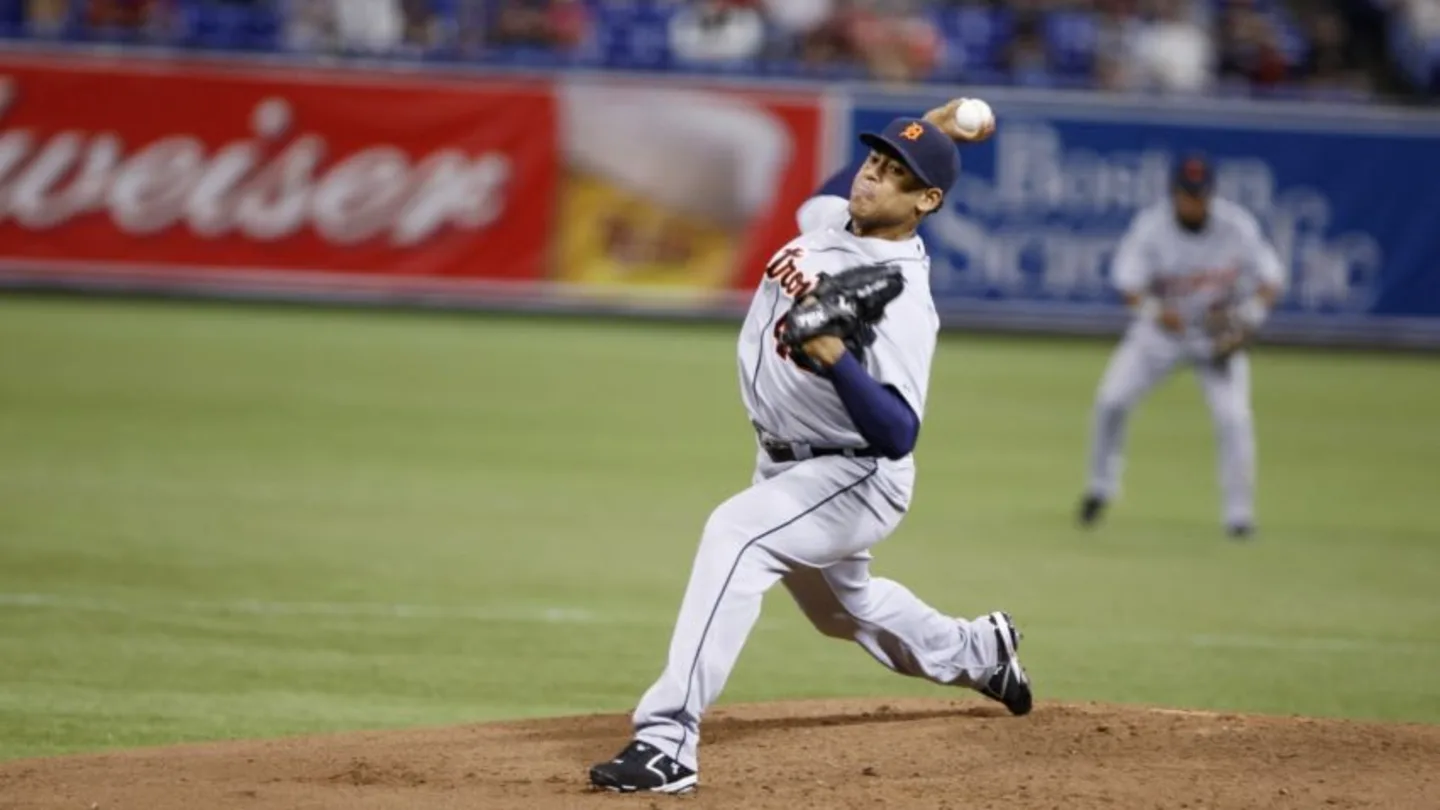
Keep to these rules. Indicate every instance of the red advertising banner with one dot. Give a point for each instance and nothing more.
(149, 164)
(243, 175)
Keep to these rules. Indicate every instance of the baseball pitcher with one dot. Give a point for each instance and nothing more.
(1201, 280)
(834, 363)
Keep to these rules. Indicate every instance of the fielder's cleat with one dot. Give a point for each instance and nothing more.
(1240, 531)
(1009, 685)
(641, 767)
(1091, 509)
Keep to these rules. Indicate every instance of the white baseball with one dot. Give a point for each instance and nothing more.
(973, 116)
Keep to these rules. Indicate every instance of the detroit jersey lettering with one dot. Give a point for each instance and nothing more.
(795, 405)
(1191, 271)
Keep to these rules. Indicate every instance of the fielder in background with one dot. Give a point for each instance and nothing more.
(1201, 280)
(834, 364)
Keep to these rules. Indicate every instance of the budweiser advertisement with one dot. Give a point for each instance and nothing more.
(245, 176)
(679, 191)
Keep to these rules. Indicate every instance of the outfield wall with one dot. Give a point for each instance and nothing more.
(431, 186)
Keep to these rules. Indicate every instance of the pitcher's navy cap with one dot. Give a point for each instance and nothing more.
(927, 150)
(1193, 175)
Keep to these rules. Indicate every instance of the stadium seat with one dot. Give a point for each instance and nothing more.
(980, 34)
(1071, 38)
(262, 28)
(12, 18)
(635, 37)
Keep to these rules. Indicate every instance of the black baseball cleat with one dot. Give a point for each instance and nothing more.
(1009, 685)
(641, 767)
(1240, 531)
(1091, 509)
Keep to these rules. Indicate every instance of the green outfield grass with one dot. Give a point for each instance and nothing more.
(233, 521)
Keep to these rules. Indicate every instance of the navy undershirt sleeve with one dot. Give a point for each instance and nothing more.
(881, 415)
(839, 184)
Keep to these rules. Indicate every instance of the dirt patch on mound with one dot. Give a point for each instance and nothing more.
(822, 754)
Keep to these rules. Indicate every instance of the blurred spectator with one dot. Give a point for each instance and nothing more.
(717, 31)
(798, 18)
(1424, 17)
(559, 24)
(1250, 47)
(522, 22)
(472, 25)
(1420, 24)
(356, 26)
(147, 17)
(421, 27)
(118, 13)
(894, 39)
(372, 26)
(1027, 60)
(1119, 29)
(891, 40)
(1173, 53)
(827, 43)
(47, 17)
(1332, 62)
(310, 26)
(569, 23)
(1368, 25)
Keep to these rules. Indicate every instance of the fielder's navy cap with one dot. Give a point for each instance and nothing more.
(927, 150)
(1193, 175)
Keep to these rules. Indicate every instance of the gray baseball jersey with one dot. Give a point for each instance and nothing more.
(1192, 270)
(796, 406)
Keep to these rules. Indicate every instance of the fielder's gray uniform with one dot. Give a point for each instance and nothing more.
(1226, 260)
(812, 523)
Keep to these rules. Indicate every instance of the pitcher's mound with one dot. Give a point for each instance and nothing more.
(824, 754)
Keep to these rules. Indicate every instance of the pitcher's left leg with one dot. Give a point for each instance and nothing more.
(1227, 392)
(910, 637)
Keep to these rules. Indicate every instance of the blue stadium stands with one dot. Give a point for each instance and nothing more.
(635, 34)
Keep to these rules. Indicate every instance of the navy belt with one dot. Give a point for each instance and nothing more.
(786, 452)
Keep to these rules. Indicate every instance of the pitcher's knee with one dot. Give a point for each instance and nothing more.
(734, 545)
(723, 534)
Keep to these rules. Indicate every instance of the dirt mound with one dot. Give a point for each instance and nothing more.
(822, 754)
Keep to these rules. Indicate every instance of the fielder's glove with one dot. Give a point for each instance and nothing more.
(846, 305)
(1231, 328)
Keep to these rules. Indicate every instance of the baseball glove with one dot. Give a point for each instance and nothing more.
(846, 305)
(1228, 333)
